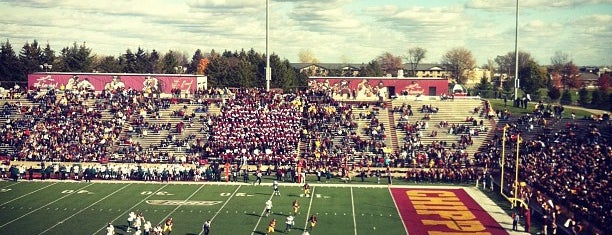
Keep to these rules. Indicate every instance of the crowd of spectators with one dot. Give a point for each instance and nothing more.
(255, 125)
(566, 169)
(59, 128)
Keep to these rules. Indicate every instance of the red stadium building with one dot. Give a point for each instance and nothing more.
(366, 87)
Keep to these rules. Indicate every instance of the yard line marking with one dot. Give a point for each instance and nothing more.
(27, 194)
(7, 223)
(353, 205)
(135, 205)
(309, 206)
(13, 184)
(260, 216)
(230, 198)
(398, 212)
(179, 206)
(90, 205)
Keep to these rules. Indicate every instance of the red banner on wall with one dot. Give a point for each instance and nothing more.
(98, 82)
(368, 86)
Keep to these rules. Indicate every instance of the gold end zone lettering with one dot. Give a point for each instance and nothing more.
(467, 226)
(436, 201)
(430, 193)
(451, 215)
(441, 207)
(453, 233)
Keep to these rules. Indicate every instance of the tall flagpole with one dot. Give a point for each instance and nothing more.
(268, 71)
(516, 53)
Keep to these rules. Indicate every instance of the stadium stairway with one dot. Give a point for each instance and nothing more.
(391, 132)
(453, 112)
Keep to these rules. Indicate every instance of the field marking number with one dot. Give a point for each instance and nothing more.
(236, 195)
(160, 193)
(69, 191)
(316, 195)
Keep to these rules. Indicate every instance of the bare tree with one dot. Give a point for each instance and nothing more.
(414, 57)
(307, 56)
(569, 75)
(559, 60)
(506, 62)
(389, 63)
(458, 61)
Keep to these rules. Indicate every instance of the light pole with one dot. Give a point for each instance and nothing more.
(46, 67)
(268, 71)
(516, 55)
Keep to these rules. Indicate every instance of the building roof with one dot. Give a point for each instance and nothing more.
(331, 66)
(588, 77)
(426, 66)
(339, 66)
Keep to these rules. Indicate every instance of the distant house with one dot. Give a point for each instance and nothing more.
(424, 70)
(588, 80)
(588, 76)
(428, 70)
(476, 74)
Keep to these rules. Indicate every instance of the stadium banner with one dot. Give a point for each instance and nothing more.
(363, 87)
(443, 211)
(150, 83)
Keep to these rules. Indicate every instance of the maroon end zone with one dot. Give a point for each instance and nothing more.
(443, 212)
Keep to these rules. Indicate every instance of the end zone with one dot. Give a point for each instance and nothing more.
(443, 211)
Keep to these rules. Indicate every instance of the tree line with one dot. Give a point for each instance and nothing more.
(247, 68)
(225, 69)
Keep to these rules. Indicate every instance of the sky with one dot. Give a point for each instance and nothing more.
(335, 31)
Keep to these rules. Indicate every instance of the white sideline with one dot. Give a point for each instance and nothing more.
(398, 211)
(353, 206)
(147, 197)
(78, 212)
(309, 206)
(179, 206)
(26, 214)
(26, 194)
(218, 211)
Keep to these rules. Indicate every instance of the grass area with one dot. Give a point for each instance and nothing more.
(498, 104)
(44, 207)
(85, 208)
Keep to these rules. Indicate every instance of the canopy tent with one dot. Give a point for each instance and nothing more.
(458, 88)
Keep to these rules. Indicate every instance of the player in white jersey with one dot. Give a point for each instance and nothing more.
(110, 229)
(268, 207)
(289, 223)
(275, 186)
(147, 228)
(130, 220)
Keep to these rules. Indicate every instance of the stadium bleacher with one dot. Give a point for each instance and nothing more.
(423, 140)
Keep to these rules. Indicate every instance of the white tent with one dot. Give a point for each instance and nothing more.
(458, 88)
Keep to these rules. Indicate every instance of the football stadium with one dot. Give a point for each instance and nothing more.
(100, 158)
(406, 134)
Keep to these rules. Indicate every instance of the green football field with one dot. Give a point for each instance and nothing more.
(85, 208)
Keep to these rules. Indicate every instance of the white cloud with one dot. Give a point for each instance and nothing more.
(226, 4)
(511, 5)
(330, 28)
